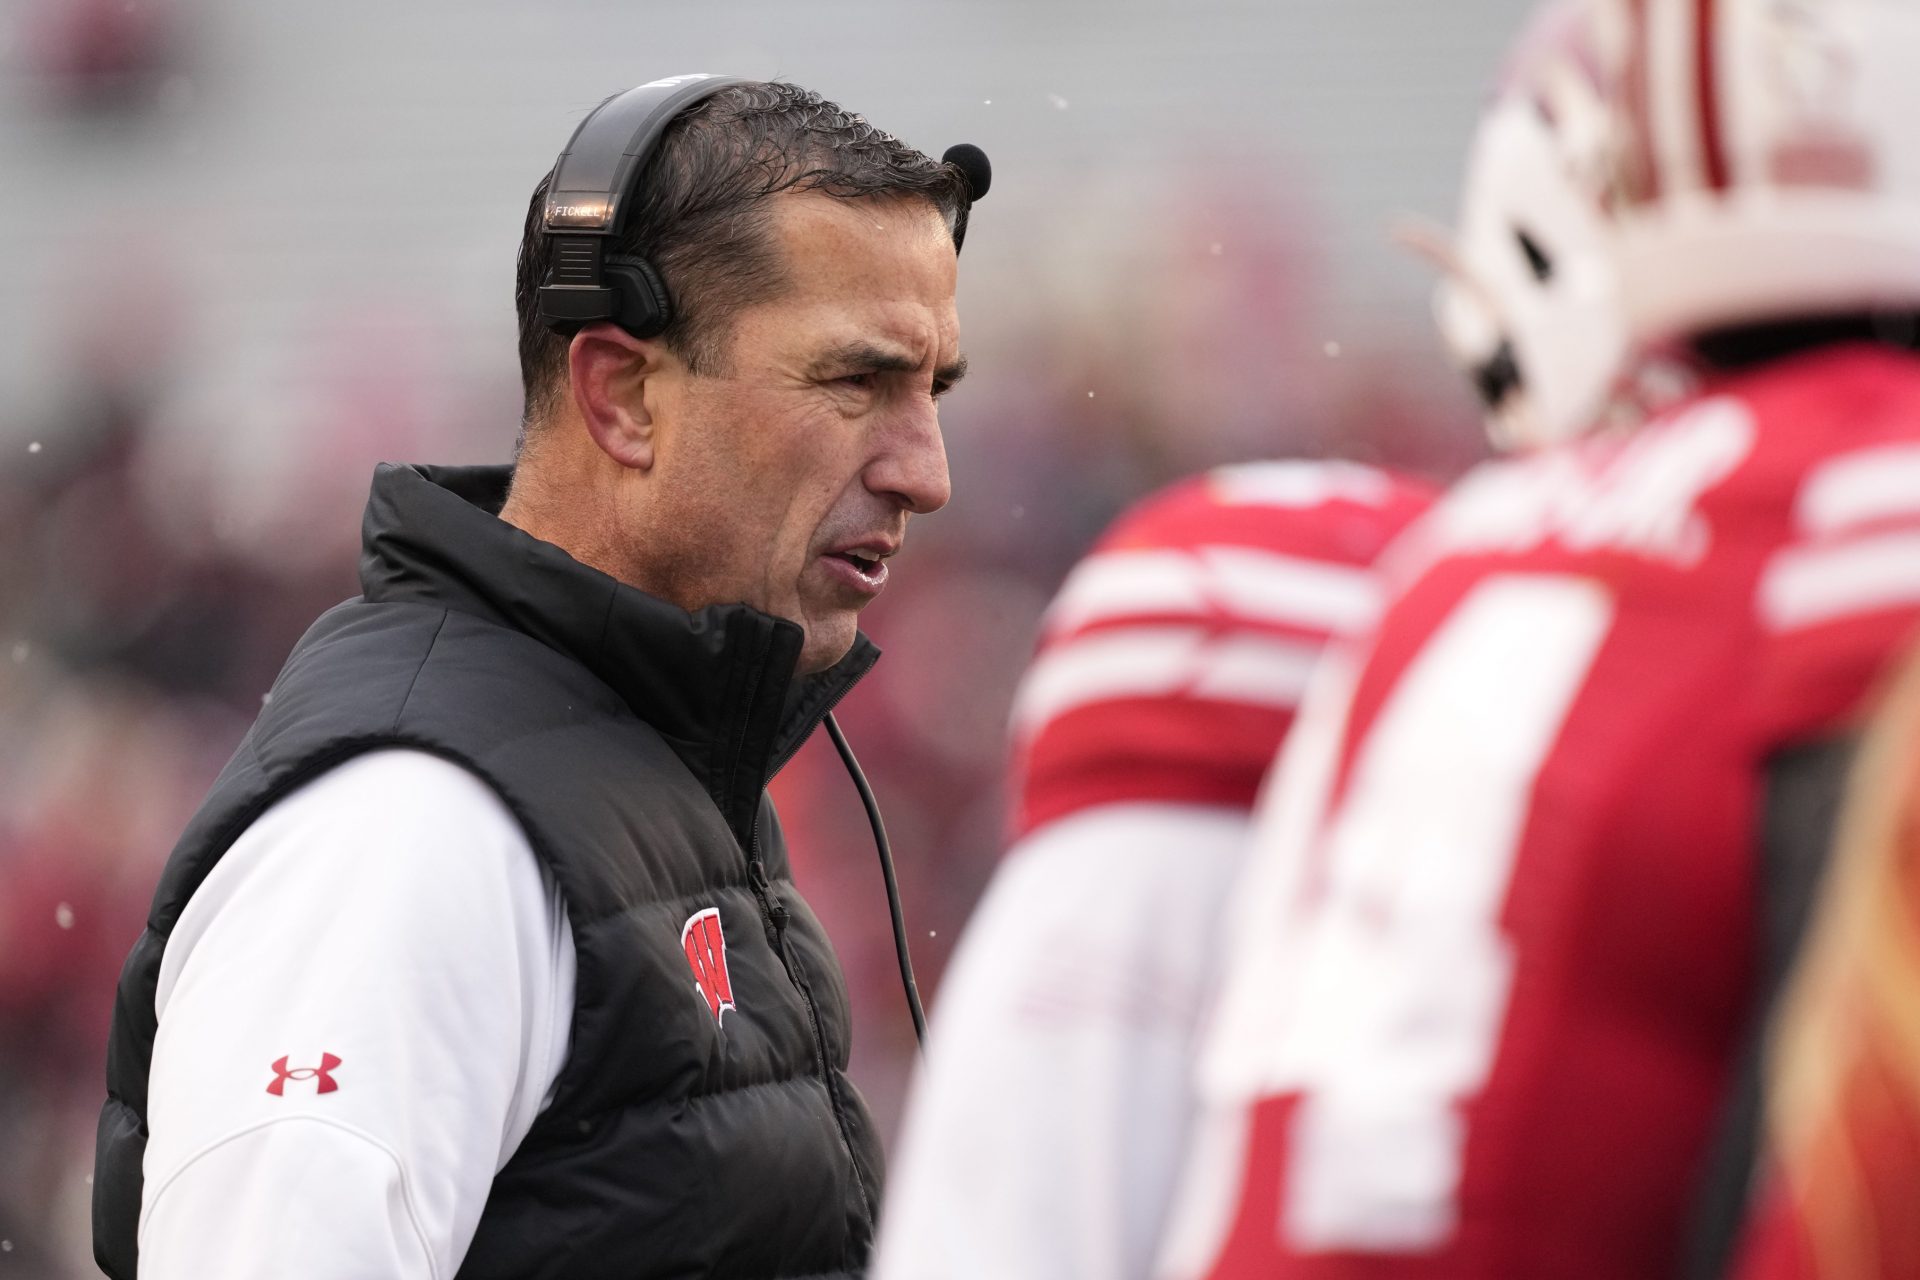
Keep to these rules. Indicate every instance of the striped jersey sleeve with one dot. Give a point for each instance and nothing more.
(1171, 661)
(1841, 589)
(1855, 550)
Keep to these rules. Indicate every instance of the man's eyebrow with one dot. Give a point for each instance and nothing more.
(866, 355)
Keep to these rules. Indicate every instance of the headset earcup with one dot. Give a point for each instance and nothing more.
(641, 304)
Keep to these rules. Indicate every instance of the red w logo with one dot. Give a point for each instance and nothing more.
(706, 949)
(323, 1073)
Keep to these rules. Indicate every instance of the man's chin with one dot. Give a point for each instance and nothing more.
(828, 640)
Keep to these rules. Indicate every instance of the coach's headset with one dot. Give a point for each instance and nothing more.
(586, 210)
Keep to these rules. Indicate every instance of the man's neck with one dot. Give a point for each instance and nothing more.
(572, 527)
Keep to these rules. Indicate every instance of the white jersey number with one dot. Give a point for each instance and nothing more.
(1381, 999)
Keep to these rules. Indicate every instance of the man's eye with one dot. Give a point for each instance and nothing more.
(941, 388)
(862, 380)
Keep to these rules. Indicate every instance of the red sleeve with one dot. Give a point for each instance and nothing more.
(1172, 660)
(1837, 591)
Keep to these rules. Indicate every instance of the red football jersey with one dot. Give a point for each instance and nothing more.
(1172, 660)
(1496, 948)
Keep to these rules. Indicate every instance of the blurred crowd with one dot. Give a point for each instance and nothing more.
(164, 551)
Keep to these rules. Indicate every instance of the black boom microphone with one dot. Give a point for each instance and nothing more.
(972, 162)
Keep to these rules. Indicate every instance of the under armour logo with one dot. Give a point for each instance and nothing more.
(323, 1073)
(706, 949)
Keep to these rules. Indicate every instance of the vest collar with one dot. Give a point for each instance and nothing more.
(718, 685)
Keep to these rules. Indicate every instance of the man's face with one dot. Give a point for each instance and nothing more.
(785, 480)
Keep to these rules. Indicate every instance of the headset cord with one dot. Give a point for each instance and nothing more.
(886, 869)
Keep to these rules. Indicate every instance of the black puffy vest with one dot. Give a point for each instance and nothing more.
(634, 743)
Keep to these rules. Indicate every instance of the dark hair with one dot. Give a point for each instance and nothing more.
(699, 214)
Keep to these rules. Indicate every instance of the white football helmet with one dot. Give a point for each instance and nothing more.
(1528, 305)
(1654, 170)
(1767, 164)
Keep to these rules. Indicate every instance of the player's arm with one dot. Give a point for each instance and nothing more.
(361, 1011)
(1046, 1127)
(1040, 1143)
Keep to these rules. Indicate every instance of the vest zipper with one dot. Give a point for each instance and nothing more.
(774, 916)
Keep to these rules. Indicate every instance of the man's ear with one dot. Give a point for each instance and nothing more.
(610, 371)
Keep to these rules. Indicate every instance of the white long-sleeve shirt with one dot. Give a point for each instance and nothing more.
(1050, 1113)
(361, 1012)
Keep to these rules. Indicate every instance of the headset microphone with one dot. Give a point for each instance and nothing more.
(588, 199)
(972, 162)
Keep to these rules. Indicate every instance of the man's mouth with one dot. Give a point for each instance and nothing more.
(870, 566)
(865, 566)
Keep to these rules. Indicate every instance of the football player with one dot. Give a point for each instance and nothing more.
(1537, 849)
(1045, 1126)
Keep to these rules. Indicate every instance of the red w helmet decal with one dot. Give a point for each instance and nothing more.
(706, 949)
(322, 1073)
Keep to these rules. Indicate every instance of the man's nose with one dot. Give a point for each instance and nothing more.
(911, 467)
